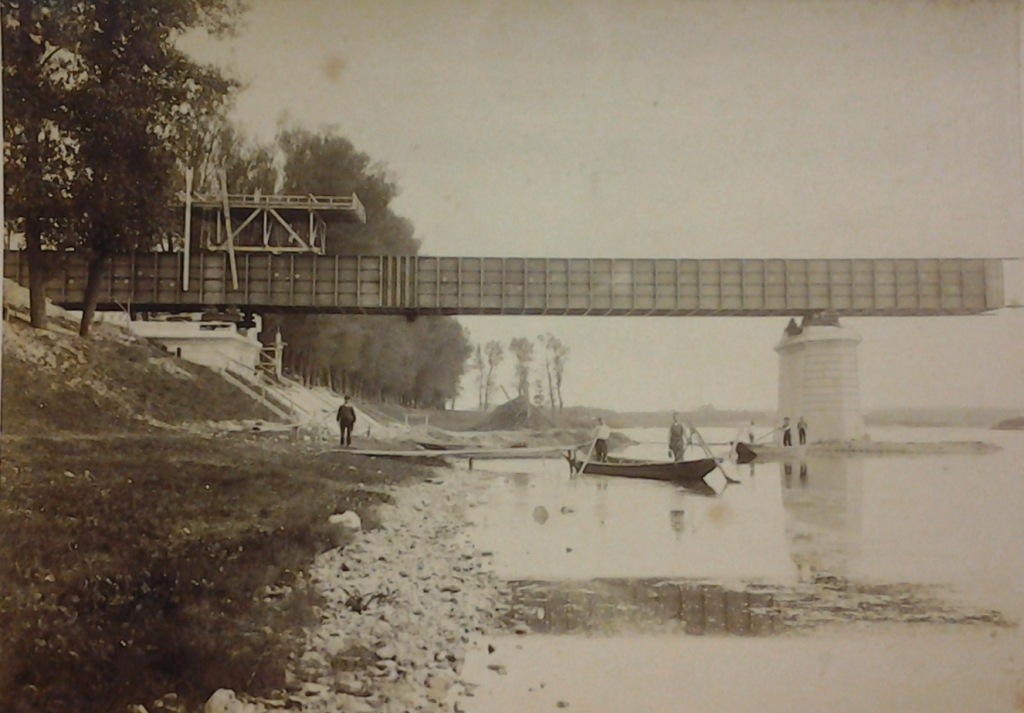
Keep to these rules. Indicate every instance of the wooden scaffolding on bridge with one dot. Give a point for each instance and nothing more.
(275, 224)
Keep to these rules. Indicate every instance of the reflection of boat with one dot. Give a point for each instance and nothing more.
(747, 452)
(653, 470)
(700, 487)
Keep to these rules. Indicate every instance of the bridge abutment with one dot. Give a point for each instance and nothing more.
(818, 379)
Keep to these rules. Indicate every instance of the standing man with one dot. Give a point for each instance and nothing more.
(346, 420)
(676, 438)
(787, 432)
(801, 430)
(601, 436)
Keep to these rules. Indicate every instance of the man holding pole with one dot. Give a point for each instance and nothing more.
(676, 439)
(601, 436)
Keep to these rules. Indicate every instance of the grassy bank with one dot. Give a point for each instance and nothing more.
(140, 561)
(137, 567)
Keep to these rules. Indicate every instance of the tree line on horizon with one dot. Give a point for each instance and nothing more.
(104, 115)
(546, 387)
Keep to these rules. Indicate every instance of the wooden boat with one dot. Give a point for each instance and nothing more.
(432, 446)
(435, 446)
(462, 452)
(747, 452)
(744, 453)
(651, 470)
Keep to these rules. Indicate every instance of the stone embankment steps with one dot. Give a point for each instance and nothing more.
(241, 384)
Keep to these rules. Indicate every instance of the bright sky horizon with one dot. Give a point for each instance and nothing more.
(754, 129)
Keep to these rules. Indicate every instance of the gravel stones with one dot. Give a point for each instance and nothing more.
(396, 622)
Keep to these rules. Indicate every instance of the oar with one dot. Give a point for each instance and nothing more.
(589, 453)
(708, 453)
(585, 460)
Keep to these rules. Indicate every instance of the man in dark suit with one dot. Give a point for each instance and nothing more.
(346, 420)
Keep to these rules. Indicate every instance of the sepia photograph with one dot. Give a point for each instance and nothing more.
(479, 356)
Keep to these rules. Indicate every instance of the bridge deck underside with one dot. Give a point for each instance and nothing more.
(534, 286)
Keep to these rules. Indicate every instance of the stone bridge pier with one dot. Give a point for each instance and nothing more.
(818, 379)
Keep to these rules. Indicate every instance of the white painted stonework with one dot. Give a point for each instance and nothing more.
(218, 345)
(818, 380)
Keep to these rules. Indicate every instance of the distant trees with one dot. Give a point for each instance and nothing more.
(495, 354)
(540, 388)
(555, 355)
(478, 366)
(522, 350)
(99, 104)
(384, 358)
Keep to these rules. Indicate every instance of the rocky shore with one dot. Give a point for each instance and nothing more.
(401, 605)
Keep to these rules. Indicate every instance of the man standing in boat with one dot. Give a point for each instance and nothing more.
(601, 436)
(676, 438)
(787, 432)
(801, 430)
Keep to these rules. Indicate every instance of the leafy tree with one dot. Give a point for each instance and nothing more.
(387, 358)
(100, 102)
(555, 355)
(522, 350)
(36, 189)
(248, 166)
(329, 165)
(495, 354)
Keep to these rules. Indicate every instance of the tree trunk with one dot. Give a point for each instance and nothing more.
(37, 277)
(30, 53)
(551, 387)
(488, 386)
(97, 263)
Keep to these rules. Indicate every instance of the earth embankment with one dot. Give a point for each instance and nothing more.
(147, 561)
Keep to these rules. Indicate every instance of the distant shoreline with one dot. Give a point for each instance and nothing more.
(868, 448)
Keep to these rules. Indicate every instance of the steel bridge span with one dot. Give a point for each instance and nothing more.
(426, 285)
(818, 376)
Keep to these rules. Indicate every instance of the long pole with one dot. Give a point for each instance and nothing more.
(227, 227)
(708, 453)
(188, 229)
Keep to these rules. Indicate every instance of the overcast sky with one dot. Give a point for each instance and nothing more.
(681, 129)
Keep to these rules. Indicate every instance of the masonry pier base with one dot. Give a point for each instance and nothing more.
(818, 379)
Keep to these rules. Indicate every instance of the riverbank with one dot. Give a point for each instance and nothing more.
(165, 541)
(159, 529)
(401, 605)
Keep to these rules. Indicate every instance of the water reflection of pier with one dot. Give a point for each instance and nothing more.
(610, 606)
(823, 499)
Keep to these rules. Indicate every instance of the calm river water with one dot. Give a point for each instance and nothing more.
(841, 584)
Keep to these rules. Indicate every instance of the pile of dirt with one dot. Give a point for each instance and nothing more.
(515, 415)
(54, 380)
